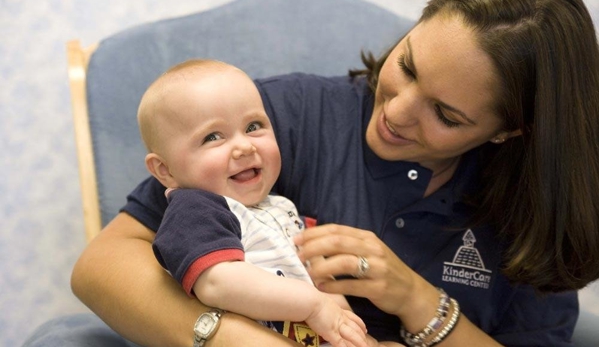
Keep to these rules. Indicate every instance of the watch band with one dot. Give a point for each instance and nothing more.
(197, 342)
(206, 326)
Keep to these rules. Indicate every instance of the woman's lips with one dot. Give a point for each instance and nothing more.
(390, 134)
(390, 128)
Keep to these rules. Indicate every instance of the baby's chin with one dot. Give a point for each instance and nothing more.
(248, 200)
(253, 202)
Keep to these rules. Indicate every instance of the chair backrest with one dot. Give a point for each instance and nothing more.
(262, 37)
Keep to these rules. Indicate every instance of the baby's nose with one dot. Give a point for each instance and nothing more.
(242, 149)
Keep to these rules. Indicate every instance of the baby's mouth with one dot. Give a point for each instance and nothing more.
(246, 175)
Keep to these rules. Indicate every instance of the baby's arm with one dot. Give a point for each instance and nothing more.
(338, 298)
(246, 289)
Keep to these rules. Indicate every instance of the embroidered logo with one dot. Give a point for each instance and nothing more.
(467, 266)
(301, 333)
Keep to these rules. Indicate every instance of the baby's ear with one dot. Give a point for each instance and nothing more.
(159, 169)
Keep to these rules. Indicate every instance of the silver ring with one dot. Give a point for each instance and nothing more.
(363, 267)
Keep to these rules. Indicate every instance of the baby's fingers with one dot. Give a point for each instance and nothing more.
(353, 337)
(357, 320)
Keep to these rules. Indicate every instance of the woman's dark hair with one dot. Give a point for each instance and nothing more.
(540, 190)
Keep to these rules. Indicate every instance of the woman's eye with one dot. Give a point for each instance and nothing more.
(253, 127)
(401, 61)
(212, 137)
(444, 119)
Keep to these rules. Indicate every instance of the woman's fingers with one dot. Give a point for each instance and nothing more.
(356, 262)
(329, 240)
(332, 229)
(340, 265)
(361, 288)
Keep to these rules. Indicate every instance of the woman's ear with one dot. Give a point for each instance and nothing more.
(504, 135)
(159, 169)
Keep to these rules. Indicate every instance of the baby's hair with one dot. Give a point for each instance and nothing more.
(149, 115)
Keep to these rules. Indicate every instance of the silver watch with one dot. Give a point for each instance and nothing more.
(206, 326)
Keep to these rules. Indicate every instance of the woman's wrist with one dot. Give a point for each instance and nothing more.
(439, 327)
(433, 326)
(419, 306)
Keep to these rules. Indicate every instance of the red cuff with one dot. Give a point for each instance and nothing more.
(310, 222)
(201, 264)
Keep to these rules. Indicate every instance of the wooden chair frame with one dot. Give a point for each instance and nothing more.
(78, 59)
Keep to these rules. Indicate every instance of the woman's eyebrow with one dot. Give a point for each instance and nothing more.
(441, 103)
(411, 58)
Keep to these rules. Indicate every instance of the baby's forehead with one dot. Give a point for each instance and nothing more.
(200, 69)
(193, 74)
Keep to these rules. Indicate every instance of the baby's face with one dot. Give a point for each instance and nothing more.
(222, 140)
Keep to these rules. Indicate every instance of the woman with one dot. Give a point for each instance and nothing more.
(465, 159)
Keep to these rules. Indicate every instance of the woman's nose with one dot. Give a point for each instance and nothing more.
(404, 108)
(242, 148)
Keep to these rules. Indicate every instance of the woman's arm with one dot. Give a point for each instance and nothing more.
(118, 278)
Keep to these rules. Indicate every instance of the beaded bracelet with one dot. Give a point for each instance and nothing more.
(417, 340)
(453, 320)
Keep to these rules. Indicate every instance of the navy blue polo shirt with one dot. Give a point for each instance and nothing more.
(329, 172)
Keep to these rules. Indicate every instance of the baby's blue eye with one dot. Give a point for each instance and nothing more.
(212, 137)
(253, 127)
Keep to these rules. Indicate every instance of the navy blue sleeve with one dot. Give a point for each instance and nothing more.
(147, 203)
(196, 223)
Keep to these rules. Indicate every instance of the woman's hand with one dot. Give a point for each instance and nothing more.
(334, 250)
(388, 283)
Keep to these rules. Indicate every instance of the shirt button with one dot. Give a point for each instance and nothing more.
(399, 223)
(412, 174)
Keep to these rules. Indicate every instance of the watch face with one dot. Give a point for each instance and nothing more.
(205, 324)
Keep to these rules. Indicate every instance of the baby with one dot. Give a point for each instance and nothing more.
(223, 237)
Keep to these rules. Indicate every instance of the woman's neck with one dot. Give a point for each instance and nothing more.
(441, 174)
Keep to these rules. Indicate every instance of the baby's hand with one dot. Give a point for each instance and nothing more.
(341, 328)
(352, 331)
